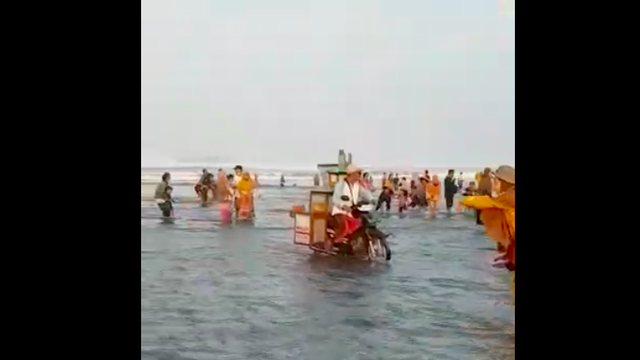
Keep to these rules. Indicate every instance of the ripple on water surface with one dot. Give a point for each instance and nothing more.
(216, 292)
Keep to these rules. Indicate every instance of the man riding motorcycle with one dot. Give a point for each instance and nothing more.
(341, 211)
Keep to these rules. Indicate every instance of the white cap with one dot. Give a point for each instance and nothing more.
(353, 169)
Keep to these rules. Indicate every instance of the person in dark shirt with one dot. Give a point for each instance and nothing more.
(385, 197)
(450, 189)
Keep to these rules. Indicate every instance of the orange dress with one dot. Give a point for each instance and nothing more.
(433, 191)
(245, 189)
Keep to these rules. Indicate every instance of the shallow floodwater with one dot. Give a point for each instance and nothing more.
(246, 292)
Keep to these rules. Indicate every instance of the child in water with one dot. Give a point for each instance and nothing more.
(471, 190)
(167, 206)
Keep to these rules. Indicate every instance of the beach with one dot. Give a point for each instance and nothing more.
(239, 292)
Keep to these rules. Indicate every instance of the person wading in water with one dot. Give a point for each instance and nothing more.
(164, 203)
(225, 196)
(450, 189)
(485, 188)
(204, 185)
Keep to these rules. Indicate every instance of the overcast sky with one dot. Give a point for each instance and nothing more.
(424, 82)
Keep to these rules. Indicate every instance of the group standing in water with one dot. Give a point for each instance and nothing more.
(424, 193)
(493, 199)
(233, 193)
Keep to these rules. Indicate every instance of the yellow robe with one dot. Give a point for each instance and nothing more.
(245, 189)
(499, 217)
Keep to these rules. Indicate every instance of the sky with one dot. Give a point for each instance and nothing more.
(415, 82)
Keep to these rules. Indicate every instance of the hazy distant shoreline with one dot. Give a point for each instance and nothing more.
(312, 168)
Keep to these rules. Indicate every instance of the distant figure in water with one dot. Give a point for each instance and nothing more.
(316, 180)
(238, 171)
(282, 180)
(433, 195)
(225, 195)
(385, 198)
(200, 186)
(485, 188)
(244, 202)
(167, 212)
(403, 201)
(163, 196)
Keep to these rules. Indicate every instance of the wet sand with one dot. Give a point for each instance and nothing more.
(244, 292)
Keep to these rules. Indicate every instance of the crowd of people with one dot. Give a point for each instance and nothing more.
(231, 192)
(491, 195)
(425, 192)
(493, 199)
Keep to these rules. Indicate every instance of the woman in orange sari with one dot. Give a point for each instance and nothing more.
(499, 218)
(433, 194)
(224, 193)
(244, 205)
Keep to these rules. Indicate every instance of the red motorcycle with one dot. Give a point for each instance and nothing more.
(363, 238)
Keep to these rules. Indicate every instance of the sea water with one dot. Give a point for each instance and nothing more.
(243, 292)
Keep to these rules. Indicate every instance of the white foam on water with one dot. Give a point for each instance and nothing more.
(271, 176)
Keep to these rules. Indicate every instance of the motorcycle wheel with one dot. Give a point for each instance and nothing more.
(378, 248)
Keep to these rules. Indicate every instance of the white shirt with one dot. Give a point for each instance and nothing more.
(343, 188)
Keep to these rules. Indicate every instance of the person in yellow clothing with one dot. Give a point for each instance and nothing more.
(244, 199)
(433, 195)
(499, 217)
